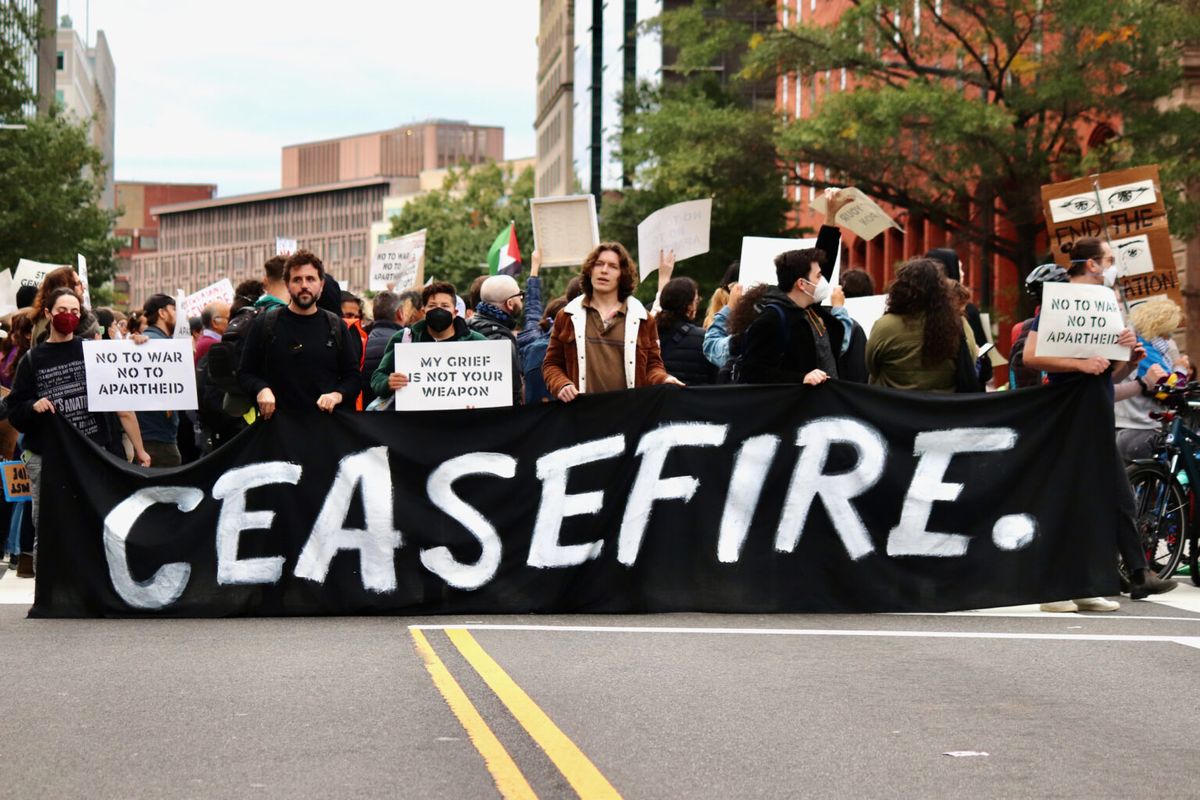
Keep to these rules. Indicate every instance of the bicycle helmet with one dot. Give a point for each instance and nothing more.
(1046, 273)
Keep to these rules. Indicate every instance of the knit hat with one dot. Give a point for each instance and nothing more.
(498, 288)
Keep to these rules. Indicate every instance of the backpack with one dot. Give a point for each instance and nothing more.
(785, 340)
(225, 356)
(1019, 375)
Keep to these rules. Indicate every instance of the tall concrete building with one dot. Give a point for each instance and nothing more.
(403, 152)
(37, 59)
(86, 86)
(555, 170)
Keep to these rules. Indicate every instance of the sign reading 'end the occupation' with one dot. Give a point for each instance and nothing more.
(156, 376)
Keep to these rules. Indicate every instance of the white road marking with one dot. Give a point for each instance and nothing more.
(1188, 641)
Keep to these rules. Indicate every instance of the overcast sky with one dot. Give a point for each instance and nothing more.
(208, 91)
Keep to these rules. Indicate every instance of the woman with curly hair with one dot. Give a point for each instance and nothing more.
(915, 345)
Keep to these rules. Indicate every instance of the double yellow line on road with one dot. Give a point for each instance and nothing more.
(577, 768)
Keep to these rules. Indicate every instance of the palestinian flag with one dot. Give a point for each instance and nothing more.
(504, 257)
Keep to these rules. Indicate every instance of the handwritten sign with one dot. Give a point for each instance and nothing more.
(682, 227)
(1080, 321)
(284, 247)
(861, 214)
(8, 293)
(219, 292)
(17, 486)
(399, 263)
(32, 273)
(1126, 209)
(758, 259)
(446, 375)
(866, 311)
(565, 229)
(159, 375)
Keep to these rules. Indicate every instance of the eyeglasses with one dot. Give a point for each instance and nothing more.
(518, 294)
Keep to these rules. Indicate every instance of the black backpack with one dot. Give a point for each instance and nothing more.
(225, 357)
(785, 342)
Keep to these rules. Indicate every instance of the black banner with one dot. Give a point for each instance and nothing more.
(839, 498)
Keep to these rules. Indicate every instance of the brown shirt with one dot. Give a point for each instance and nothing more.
(605, 350)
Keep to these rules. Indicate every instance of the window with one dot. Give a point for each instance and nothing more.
(126, 241)
(59, 61)
(58, 96)
(149, 242)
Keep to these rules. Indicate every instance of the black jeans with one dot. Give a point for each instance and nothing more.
(1129, 541)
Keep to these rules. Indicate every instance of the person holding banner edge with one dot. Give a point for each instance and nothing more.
(1092, 262)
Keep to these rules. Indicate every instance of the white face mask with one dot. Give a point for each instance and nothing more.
(821, 290)
(1110, 276)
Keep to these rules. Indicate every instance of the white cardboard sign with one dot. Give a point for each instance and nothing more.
(1107, 200)
(758, 259)
(8, 293)
(219, 292)
(284, 247)
(1080, 321)
(31, 273)
(866, 311)
(447, 375)
(399, 263)
(159, 375)
(565, 229)
(81, 270)
(682, 227)
(861, 215)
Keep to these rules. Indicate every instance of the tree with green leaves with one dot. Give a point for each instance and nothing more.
(690, 141)
(51, 176)
(958, 111)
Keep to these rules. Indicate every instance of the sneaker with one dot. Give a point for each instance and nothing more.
(1151, 584)
(25, 566)
(1060, 607)
(1096, 604)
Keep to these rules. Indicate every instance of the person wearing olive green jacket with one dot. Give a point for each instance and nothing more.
(916, 343)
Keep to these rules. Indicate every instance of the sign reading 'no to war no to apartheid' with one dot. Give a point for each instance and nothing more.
(159, 375)
(1079, 321)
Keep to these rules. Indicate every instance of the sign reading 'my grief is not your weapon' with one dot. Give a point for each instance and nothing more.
(159, 375)
(454, 375)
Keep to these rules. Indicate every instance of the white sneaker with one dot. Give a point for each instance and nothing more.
(1096, 604)
(1060, 607)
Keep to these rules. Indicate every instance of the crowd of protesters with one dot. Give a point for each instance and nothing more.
(294, 341)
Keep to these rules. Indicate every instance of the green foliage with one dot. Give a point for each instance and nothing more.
(691, 141)
(988, 99)
(50, 183)
(465, 216)
(51, 177)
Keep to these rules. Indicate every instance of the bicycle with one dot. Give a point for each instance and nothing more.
(1164, 485)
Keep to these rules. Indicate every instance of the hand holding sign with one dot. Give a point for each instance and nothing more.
(1082, 321)
(854, 210)
(682, 229)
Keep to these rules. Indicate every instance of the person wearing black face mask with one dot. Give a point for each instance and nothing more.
(441, 324)
(50, 379)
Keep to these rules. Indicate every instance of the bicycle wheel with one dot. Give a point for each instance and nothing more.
(1162, 517)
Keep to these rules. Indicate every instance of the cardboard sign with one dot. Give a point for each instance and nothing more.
(994, 356)
(399, 263)
(32, 273)
(565, 229)
(758, 259)
(866, 311)
(159, 375)
(17, 486)
(683, 227)
(1080, 321)
(219, 292)
(1126, 209)
(81, 269)
(861, 215)
(446, 375)
(8, 293)
(284, 247)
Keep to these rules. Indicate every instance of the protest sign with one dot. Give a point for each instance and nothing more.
(159, 375)
(682, 227)
(81, 270)
(866, 311)
(994, 355)
(446, 375)
(565, 229)
(1080, 321)
(758, 259)
(748, 499)
(284, 247)
(219, 292)
(399, 263)
(31, 273)
(8, 293)
(183, 327)
(861, 214)
(1126, 209)
(17, 487)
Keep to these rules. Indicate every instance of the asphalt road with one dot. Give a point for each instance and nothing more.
(695, 706)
